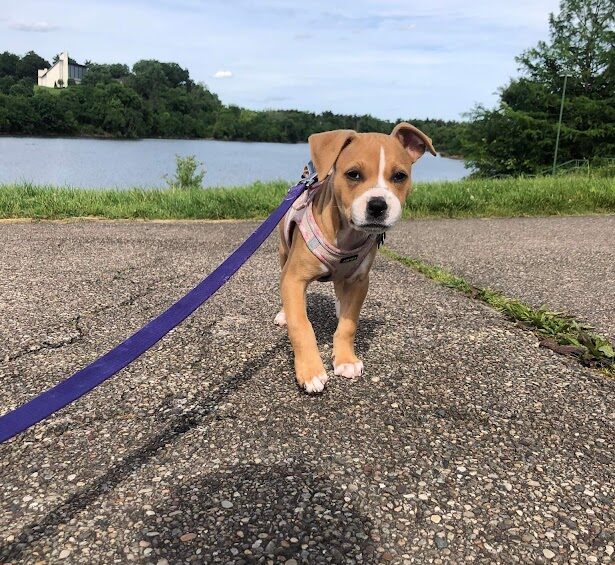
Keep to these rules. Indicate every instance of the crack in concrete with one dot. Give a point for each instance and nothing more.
(81, 331)
(559, 332)
(46, 345)
(76, 323)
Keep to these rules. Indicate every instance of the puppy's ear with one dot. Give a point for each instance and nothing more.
(413, 139)
(325, 148)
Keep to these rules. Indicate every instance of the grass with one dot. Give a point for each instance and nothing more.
(520, 196)
(556, 331)
(539, 196)
(53, 91)
(46, 202)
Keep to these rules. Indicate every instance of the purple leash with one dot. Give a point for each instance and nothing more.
(122, 355)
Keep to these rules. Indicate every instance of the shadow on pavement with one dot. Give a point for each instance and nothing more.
(321, 310)
(180, 425)
(250, 512)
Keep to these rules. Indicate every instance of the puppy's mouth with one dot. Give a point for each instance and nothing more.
(370, 227)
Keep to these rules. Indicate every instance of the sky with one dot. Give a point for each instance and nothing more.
(389, 58)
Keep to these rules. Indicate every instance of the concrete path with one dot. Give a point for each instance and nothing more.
(463, 442)
(566, 263)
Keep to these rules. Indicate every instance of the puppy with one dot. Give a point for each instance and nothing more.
(332, 233)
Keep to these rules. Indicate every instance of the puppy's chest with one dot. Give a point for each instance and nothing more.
(336, 263)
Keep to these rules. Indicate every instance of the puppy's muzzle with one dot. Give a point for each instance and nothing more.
(375, 211)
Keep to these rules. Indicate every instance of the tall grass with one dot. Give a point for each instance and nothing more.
(468, 198)
(46, 202)
(521, 196)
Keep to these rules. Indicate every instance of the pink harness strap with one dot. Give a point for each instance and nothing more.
(339, 262)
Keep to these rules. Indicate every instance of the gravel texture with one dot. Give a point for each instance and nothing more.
(463, 442)
(567, 263)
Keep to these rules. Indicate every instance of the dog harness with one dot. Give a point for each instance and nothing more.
(340, 263)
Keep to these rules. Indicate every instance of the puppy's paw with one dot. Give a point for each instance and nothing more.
(349, 370)
(280, 319)
(316, 384)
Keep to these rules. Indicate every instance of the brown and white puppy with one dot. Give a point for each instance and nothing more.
(367, 182)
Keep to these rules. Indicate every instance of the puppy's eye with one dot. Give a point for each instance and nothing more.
(353, 174)
(399, 176)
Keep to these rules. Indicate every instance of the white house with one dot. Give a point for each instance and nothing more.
(59, 74)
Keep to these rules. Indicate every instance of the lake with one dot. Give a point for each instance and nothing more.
(105, 163)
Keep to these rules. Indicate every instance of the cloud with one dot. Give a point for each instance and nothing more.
(35, 26)
(223, 74)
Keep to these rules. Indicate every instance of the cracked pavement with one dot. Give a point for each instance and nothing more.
(566, 263)
(464, 441)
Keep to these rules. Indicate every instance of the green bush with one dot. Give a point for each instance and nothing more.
(187, 176)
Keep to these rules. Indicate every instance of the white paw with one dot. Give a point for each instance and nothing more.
(317, 384)
(280, 319)
(349, 370)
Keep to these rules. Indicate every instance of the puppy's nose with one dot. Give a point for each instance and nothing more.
(376, 207)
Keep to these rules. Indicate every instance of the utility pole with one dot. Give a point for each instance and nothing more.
(559, 124)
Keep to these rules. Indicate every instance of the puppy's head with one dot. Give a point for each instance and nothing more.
(370, 172)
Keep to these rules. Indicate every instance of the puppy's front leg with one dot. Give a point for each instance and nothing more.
(309, 370)
(351, 296)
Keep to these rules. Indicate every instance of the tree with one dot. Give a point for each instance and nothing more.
(51, 111)
(189, 174)
(582, 44)
(149, 78)
(5, 83)
(29, 64)
(8, 64)
(22, 88)
(20, 115)
(104, 73)
(518, 136)
(176, 76)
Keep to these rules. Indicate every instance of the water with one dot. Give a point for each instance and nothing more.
(102, 163)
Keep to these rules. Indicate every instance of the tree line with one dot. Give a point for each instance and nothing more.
(156, 99)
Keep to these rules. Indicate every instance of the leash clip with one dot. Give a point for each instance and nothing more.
(309, 176)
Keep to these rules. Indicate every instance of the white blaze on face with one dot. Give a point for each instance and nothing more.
(359, 206)
(381, 181)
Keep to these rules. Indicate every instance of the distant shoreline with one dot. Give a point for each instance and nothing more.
(443, 154)
(104, 137)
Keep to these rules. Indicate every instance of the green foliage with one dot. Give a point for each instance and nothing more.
(249, 202)
(28, 65)
(155, 99)
(518, 136)
(581, 44)
(187, 176)
(8, 64)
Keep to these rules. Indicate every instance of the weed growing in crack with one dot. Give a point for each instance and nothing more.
(557, 331)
